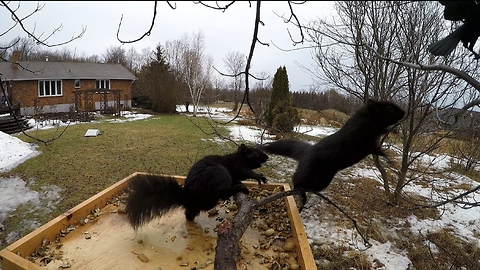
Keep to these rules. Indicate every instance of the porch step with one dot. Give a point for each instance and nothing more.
(9, 125)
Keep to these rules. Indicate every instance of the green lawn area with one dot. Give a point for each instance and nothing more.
(83, 166)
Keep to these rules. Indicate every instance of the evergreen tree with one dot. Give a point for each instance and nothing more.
(280, 113)
(157, 86)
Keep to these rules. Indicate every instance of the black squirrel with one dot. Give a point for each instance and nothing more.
(318, 163)
(210, 179)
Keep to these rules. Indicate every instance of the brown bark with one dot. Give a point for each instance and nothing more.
(230, 231)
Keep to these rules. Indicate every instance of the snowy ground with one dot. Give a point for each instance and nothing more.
(464, 222)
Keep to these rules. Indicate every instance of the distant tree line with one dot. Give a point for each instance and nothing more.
(330, 99)
(159, 86)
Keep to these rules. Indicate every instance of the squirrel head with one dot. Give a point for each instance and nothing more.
(385, 113)
(253, 156)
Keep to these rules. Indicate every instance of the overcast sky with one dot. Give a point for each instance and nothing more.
(231, 30)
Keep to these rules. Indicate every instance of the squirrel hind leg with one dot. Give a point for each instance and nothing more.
(304, 200)
(240, 188)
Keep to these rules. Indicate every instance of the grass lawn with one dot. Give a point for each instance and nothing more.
(82, 166)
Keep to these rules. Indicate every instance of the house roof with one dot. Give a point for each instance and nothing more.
(63, 70)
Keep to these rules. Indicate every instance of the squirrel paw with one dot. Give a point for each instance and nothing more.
(240, 188)
(262, 180)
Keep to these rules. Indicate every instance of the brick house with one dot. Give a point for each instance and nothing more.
(66, 87)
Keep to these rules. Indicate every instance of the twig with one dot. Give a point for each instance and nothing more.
(147, 33)
(215, 131)
(365, 241)
(297, 191)
(31, 34)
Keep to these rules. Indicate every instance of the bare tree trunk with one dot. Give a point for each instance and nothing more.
(235, 63)
(402, 178)
(385, 178)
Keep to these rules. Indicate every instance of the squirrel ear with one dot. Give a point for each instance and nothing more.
(371, 107)
(242, 146)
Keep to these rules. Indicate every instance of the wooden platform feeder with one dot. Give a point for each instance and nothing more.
(96, 235)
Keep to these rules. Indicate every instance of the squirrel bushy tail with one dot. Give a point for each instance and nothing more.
(151, 196)
(447, 44)
(287, 147)
(209, 180)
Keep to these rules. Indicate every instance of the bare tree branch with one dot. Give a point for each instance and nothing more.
(454, 199)
(249, 59)
(229, 233)
(296, 23)
(238, 74)
(297, 191)
(215, 131)
(217, 7)
(439, 67)
(32, 34)
(148, 33)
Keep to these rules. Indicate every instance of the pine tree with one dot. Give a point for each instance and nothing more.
(280, 113)
(158, 86)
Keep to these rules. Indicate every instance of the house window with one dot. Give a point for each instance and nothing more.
(102, 84)
(49, 88)
(77, 83)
